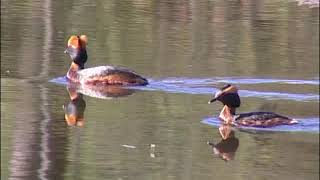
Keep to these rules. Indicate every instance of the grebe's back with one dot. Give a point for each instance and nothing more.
(110, 75)
(262, 119)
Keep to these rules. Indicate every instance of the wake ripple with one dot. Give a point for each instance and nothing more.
(206, 86)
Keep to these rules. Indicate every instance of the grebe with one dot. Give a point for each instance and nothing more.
(101, 75)
(229, 96)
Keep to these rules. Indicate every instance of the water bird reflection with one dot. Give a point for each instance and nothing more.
(228, 145)
(74, 109)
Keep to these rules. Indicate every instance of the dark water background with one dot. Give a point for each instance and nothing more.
(186, 49)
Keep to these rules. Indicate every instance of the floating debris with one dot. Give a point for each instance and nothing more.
(152, 149)
(128, 146)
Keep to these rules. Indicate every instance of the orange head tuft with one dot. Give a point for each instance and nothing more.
(73, 42)
(78, 41)
(84, 40)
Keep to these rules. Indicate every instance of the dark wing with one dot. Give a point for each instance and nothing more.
(111, 75)
(260, 116)
(262, 119)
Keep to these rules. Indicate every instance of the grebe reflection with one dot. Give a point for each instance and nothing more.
(228, 145)
(75, 107)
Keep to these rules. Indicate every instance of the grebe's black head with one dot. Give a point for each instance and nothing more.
(228, 95)
(77, 49)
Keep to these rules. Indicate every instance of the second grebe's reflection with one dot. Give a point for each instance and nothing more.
(228, 145)
(74, 109)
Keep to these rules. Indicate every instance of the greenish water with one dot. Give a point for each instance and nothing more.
(186, 49)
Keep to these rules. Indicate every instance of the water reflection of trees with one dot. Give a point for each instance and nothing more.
(207, 36)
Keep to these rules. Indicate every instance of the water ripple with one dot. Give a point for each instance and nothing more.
(239, 80)
(205, 86)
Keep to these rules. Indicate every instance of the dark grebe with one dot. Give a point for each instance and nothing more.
(229, 96)
(101, 75)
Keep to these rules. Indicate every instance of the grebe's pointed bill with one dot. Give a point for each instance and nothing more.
(216, 96)
(227, 89)
(212, 100)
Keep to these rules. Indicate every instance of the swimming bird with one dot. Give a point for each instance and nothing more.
(101, 75)
(230, 98)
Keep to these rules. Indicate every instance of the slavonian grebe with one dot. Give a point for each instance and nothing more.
(229, 96)
(101, 75)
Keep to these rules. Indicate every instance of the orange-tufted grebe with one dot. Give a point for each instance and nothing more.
(101, 75)
(229, 96)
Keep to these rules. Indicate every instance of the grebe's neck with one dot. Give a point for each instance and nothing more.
(73, 94)
(227, 114)
(73, 72)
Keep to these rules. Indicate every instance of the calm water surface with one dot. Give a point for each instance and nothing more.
(187, 49)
